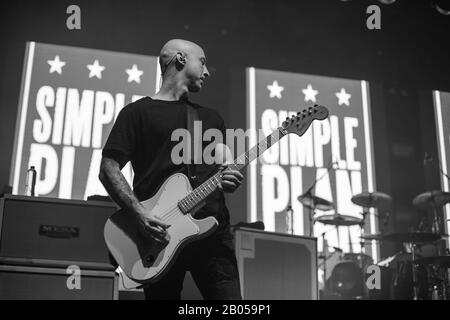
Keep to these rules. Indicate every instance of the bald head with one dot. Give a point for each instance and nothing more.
(175, 46)
(183, 66)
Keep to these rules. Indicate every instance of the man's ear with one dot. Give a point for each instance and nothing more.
(181, 58)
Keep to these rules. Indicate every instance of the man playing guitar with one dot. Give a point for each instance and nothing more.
(142, 135)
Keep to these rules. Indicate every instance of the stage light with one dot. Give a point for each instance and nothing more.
(387, 1)
(442, 6)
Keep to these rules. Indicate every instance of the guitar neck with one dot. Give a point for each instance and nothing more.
(197, 196)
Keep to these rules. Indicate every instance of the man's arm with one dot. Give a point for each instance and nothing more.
(120, 191)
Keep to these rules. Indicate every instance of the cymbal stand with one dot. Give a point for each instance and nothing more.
(365, 212)
(312, 213)
(436, 225)
(324, 243)
(362, 242)
(309, 192)
(414, 271)
(312, 208)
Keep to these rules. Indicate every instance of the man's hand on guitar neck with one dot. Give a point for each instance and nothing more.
(231, 179)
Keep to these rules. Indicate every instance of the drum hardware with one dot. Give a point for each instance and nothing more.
(313, 203)
(343, 280)
(377, 200)
(442, 261)
(413, 237)
(316, 203)
(414, 272)
(410, 277)
(367, 200)
(438, 276)
(346, 281)
(433, 199)
(325, 256)
(373, 237)
(338, 220)
(414, 240)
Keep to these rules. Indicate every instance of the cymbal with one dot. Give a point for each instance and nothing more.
(372, 199)
(413, 237)
(432, 198)
(339, 220)
(314, 202)
(374, 236)
(443, 261)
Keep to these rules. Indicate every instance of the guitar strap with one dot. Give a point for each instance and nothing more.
(192, 115)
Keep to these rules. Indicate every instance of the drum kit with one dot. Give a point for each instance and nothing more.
(409, 274)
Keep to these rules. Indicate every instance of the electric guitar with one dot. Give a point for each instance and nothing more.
(144, 260)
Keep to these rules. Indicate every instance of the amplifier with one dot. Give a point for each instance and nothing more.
(54, 232)
(34, 283)
(276, 266)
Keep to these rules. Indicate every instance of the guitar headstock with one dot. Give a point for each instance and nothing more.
(300, 122)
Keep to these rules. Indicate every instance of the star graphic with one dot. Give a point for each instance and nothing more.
(56, 65)
(134, 74)
(310, 93)
(275, 90)
(95, 69)
(344, 97)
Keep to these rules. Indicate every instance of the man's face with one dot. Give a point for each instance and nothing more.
(195, 69)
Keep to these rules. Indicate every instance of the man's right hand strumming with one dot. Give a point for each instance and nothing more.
(153, 227)
(120, 191)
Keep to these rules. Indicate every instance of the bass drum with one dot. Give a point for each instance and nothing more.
(356, 257)
(345, 282)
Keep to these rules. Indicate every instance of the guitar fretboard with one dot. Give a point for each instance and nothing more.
(199, 194)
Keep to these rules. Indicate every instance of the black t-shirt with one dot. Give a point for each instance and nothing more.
(142, 134)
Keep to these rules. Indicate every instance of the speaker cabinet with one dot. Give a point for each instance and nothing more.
(33, 283)
(275, 266)
(51, 232)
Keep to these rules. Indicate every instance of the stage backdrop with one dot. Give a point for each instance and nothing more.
(442, 116)
(69, 100)
(337, 151)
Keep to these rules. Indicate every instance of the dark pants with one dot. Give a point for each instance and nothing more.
(213, 266)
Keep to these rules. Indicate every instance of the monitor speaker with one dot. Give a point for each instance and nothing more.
(275, 266)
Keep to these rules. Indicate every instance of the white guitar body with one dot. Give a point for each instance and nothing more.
(142, 259)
